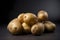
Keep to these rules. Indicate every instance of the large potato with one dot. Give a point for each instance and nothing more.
(30, 18)
(15, 27)
(37, 29)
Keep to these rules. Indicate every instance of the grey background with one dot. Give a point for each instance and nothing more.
(12, 8)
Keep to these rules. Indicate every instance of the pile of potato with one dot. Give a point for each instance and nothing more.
(30, 23)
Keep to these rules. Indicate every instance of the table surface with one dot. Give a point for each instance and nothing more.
(5, 35)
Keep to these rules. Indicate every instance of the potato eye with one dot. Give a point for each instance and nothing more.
(25, 17)
(15, 28)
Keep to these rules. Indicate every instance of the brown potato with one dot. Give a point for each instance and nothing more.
(49, 26)
(37, 29)
(15, 27)
(20, 17)
(42, 15)
(30, 18)
(26, 27)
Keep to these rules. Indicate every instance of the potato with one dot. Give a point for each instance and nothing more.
(30, 23)
(30, 18)
(42, 15)
(20, 17)
(37, 29)
(26, 28)
(49, 26)
(15, 27)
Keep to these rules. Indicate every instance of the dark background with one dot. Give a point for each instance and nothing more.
(10, 9)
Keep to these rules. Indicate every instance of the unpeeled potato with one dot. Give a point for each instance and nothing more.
(15, 27)
(42, 15)
(20, 17)
(49, 26)
(30, 18)
(26, 27)
(30, 23)
(37, 29)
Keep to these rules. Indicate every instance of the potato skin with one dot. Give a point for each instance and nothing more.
(49, 26)
(30, 18)
(42, 15)
(20, 17)
(37, 29)
(26, 27)
(15, 27)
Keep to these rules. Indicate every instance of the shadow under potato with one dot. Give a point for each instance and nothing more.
(48, 31)
(22, 34)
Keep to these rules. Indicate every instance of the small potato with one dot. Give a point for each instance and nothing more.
(30, 18)
(37, 29)
(49, 26)
(20, 17)
(26, 28)
(42, 15)
(15, 27)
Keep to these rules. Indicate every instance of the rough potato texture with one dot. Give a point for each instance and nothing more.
(30, 23)
(49, 26)
(30, 18)
(42, 15)
(26, 27)
(20, 17)
(37, 29)
(15, 27)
